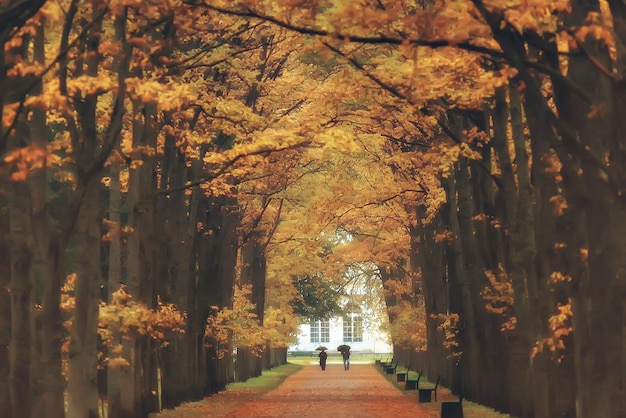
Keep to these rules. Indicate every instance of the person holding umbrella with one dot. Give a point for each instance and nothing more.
(323, 355)
(345, 353)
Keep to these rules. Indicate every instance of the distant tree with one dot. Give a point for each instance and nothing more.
(317, 297)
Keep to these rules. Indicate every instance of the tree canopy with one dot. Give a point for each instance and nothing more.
(182, 182)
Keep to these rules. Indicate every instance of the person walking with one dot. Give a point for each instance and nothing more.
(346, 358)
(323, 356)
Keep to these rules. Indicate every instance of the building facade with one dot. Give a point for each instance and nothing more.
(362, 332)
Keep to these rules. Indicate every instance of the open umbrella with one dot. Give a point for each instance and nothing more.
(321, 348)
(343, 347)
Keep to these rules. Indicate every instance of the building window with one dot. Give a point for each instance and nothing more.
(357, 329)
(347, 328)
(320, 331)
(352, 328)
(325, 330)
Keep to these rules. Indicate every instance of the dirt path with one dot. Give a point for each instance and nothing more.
(359, 392)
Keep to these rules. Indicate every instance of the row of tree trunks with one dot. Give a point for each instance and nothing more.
(51, 229)
(219, 249)
(253, 272)
(523, 387)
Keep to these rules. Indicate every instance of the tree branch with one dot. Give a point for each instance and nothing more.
(467, 46)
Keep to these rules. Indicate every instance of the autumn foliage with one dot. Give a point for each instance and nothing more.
(185, 163)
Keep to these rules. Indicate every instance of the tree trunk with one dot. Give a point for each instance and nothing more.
(5, 309)
(177, 368)
(253, 272)
(217, 259)
(518, 342)
(599, 334)
(430, 256)
(82, 387)
(82, 390)
(115, 276)
(20, 289)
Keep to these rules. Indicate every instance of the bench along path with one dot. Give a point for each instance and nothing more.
(359, 392)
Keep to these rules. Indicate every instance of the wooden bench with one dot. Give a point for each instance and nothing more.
(303, 353)
(385, 364)
(401, 376)
(391, 369)
(411, 383)
(425, 394)
(452, 409)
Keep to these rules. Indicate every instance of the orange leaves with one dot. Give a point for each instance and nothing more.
(279, 327)
(128, 317)
(448, 325)
(499, 297)
(408, 326)
(125, 317)
(449, 155)
(169, 96)
(558, 277)
(116, 363)
(68, 301)
(561, 327)
(115, 229)
(399, 288)
(24, 160)
(535, 15)
(84, 85)
(22, 69)
(596, 28)
(559, 204)
(241, 323)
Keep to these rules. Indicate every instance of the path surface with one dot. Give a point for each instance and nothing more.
(359, 392)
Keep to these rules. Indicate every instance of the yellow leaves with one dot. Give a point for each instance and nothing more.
(68, 302)
(435, 198)
(234, 117)
(559, 204)
(553, 166)
(597, 28)
(558, 277)
(240, 322)
(499, 297)
(129, 317)
(168, 96)
(85, 85)
(126, 317)
(535, 15)
(9, 113)
(117, 363)
(408, 326)
(24, 160)
(338, 139)
(449, 155)
(561, 326)
(399, 288)
(448, 325)
(444, 236)
(51, 100)
(22, 69)
(115, 229)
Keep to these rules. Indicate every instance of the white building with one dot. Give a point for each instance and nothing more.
(364, 330)
(361, 335)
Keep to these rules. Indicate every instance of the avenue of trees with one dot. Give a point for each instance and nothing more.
(175, 174)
